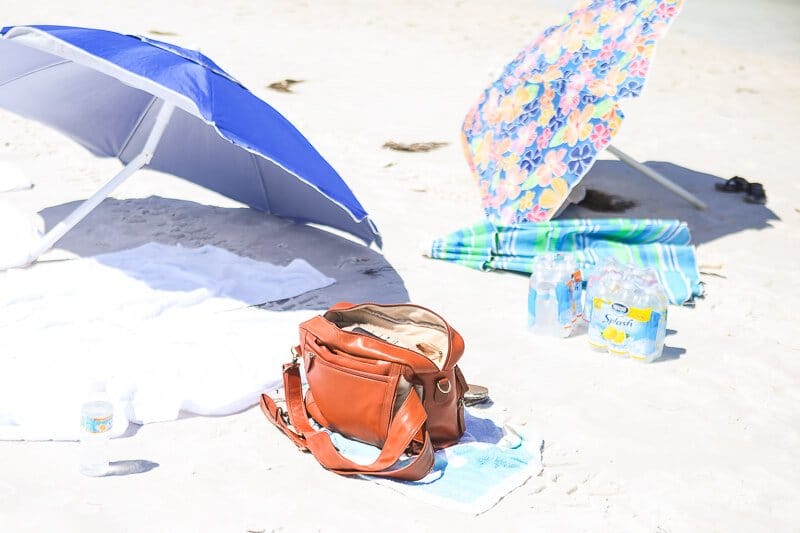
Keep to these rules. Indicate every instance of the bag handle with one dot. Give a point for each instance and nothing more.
(407, 424)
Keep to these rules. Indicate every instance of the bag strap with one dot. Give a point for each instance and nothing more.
(407, 424)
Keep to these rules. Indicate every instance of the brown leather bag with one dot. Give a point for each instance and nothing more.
(381, 374)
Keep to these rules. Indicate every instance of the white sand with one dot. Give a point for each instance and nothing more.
(705, 440)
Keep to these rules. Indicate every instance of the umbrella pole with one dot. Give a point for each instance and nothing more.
(657, 177)
(144, 157)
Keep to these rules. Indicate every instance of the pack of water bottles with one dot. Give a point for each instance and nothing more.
(554, 296)
(624, 306)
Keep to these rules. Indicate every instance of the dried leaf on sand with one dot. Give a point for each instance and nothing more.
(413, 147)
(284, 86)
(162, 33)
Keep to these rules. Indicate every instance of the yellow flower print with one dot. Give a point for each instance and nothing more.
(511, 105)
(578, 125)
(526, 201)
(614, 121)
(554, 196)
(483, 149)
(547, 112)
(581, 28)
(509, 162)
(608, 86)
(552, 73)
(606, 15)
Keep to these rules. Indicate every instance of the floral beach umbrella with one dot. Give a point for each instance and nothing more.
(537, 130)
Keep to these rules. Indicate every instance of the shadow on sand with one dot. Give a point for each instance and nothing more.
(128, 467)
(361, 273)
(727, 213)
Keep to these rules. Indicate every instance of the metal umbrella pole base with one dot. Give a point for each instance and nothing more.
(59, 230)
(657, 177)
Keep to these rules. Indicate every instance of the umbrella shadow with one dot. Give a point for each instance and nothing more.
(361, 273)
(727, 213)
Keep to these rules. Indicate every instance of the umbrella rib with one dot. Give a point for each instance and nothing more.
(31, 72)
(263, 183)
(137, 126)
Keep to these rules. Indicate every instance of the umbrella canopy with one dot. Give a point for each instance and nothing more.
(537, 130)
(662, 245)
(148, 102)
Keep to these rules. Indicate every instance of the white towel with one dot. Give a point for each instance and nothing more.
(13, 178)
(168, 329)
(20, 232)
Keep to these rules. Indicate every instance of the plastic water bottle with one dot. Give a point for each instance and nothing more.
(603, 291)
(552, 305)
(97, 414)
(544, 318)
(652, 345)
(592, 283)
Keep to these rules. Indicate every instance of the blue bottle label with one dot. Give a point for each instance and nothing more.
(95, 424)
(564, 301)
(566, 305)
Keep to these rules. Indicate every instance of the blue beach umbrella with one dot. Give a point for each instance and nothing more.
(149, 103)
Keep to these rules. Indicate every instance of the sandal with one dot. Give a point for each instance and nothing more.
(735, 184)
(755, 194)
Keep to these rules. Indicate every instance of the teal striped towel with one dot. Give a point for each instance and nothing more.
(659, 244)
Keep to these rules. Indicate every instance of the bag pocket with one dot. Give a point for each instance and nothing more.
(352, 402)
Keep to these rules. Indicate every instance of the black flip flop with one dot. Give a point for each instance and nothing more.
(756, 194)
(735, 184)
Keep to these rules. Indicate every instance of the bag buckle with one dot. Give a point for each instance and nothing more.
(444, 382)
(295, 354)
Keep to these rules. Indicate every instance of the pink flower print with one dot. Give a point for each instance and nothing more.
(553, 165)
(491, 111)
(619, 22)
(498, 150)
(486, 200)
(508, 216)
(510, 81)
(516, 175)
(606, 51)
(525, 137)
(638, 67)
(544, 138)
(499, 197)
(600, 136)
(665, 11)
(569, 101)
(580, 80)
(536, 214)
(508, 189)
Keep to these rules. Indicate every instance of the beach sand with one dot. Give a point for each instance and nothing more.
(706, 439)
